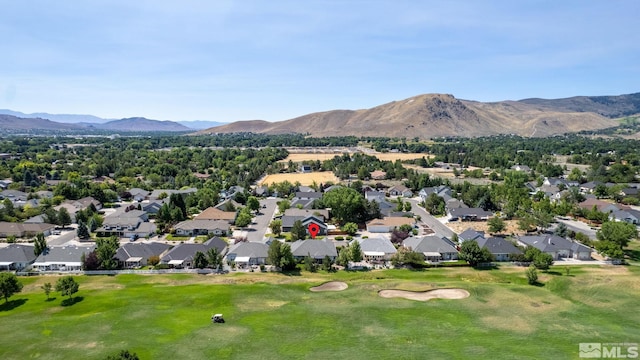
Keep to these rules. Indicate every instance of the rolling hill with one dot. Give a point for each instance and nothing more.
(437, 115)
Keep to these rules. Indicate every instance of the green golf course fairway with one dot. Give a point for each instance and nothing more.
(275, 316)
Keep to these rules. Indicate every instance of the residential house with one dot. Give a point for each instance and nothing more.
(602, 206)
(469, 214)
(305, 200)
(158, 193)
(443, 191)
(316, 249)
(246, 254)
(377, 249)
(135, 255)
(20, 230)
(630, 216)
(521, 168)
(231, 192)
(16, 257)
(377, 196)
(62, 258)
(560, 182)
(500, 248)
(202, 227)
(400, 190)
(378, 175)
(139, 194)
(629, 192)
(288, 221)
(454, 203)
(388, 224)
(18, 198)
(214, 213)
(557, 246)
(470, 234)
(320, 213)
(152, 207)
(123, 223)
(228, 205)
(181, 256)
(433, 248)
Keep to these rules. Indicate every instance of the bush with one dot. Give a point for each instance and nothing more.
(532, 275)
(161, 266)
(339, 238)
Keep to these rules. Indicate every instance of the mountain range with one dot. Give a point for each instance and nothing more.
(423, 116)
(94, 122)
(437, 115)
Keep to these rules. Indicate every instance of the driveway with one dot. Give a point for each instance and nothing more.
(438, 227)
(66, 235)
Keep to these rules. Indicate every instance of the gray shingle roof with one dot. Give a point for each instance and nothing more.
(317, 249)
(428, 244)
(498, 245)
(65, 254)
(143, 250)
(186, 251)
(377, 245)
(249, 249)
(17, 253)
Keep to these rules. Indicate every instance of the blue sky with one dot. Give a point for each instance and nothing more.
(274, 60)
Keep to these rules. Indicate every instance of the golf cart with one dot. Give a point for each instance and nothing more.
(217, 318)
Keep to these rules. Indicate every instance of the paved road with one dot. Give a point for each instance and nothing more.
(258, 228)
(579, 226)
(64, 237)
(439, 228)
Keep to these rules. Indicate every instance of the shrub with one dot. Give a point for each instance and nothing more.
(532, 275)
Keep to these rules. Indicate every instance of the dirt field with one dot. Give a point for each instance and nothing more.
(460, 226)
(304, 179)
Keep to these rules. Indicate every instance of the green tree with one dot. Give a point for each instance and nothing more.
(434, 204)
(244, 218)
(405, 256)
(355, 251)
(47, 287)
(561, 230)
(543, 261)
(64, 219)
(350, 228)
(347, 205)
(9, 285)
(67, 286)
(283, 205)
(253, 203)
(298, 232)
(280, 256)
(618, 232)
(326, 263)
(199, 260)
(532, 275)
(473, 254)
(106, 251)
(288, 262)
(610, 249)
(82, 231)
(214, 258)
(496, 225)
(40, 244)
(276, 227)
(309, 265)
(407, 206)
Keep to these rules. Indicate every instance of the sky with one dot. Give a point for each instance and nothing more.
(274, 60)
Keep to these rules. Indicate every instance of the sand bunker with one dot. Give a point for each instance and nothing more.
(425, 295)
(331, 286)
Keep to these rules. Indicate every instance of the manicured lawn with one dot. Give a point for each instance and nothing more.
(274, 316)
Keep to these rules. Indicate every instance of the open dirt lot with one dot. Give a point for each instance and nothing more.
(304, 179)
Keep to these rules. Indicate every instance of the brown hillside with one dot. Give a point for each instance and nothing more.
(428, 116)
